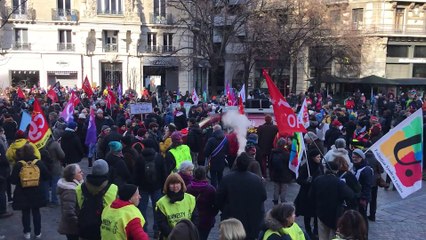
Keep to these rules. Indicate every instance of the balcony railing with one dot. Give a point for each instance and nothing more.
(110, 12)
(159, 49)
(394, 29)
(20, 13)
(64, 47)
(165, 20)
(70, 15)
(168, 49)
(21, 46)
(111, 47)
(152, 49)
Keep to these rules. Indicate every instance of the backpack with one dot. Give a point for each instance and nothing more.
(89, 216)
(29, 174)
(150, 170)
(138, 146)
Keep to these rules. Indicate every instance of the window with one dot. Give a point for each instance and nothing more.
(65, 42)
(420, 51)
(20, 6)
(159, 8)
(110, 41)
(152, 42)
(21, 38)
(64, 6)
(399, 19)
(357, 18)
(168, 42)
(419, 70)
(397, 51)
(110, 7)
(397, 70)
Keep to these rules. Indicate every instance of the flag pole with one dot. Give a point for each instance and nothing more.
(307, 162)
(320, 151)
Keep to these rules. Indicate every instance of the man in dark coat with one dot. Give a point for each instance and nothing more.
(216, 150)
(281, 175)
(329, 193)
(71, 144)
(266, 133)
(119, 173)
(332, 134)
(241, 195)
(194, 139)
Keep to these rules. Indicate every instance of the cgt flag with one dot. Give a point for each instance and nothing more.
(52, 95)
(287, 121)
(39, 131)
(87, 88)
(400, 152)
(20, 93)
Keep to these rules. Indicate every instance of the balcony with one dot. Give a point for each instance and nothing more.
(111, 47)
(117, 12)
(68, 15)
(21, 46)
(393, 29)
(164, 20)
(21, 13)
(66, 47)
(169, 49)
(152, 49)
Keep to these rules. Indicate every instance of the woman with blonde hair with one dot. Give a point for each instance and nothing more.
(174, 206)
(232, 229)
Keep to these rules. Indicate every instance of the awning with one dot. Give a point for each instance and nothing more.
(62, 73)
(374, 80)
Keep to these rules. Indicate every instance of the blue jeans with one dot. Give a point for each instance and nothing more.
(51, 185)
(143, 206)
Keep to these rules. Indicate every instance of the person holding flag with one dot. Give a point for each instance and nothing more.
(91, 137)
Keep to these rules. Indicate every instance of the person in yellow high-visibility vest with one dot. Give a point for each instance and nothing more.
(280, 223)
(174, 206)
(122, 220)
(178, 152)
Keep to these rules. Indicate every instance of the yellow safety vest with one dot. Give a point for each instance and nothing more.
(181, 153)
(294, 231)
(109, 197)
(115, 220)
(178, 210)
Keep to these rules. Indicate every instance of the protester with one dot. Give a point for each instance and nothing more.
(118, 172)
(215, 152)
(351, 225)
(186, 171)
(71, 144)
(184, 229)
(266, 133)
(280, 174)
(20, 141)
(231, 229)
(177, 153)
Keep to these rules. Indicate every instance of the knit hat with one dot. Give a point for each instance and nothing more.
(105, 127)
(126, 191)
(340, 143)
(253, 138)
(82, 116)
(176, 137)
(336, 123)
(115, 146)
(19, 134)
(359, 152)
(71, 125)
(100, 168)
(99, 111)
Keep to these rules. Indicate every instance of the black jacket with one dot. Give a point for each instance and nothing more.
(217, 163)
(194, 139)
(241, 195)
(71, 145)
(331, 135)
(278, 166)
(365, 178)
(149, 154)
(118, 172)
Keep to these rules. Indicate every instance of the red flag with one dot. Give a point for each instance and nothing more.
(39, 128)
(110, 99)
(287, 121)
(87, 88)
(240, 105)
(74, 99)
(20, 93)
(52, 95)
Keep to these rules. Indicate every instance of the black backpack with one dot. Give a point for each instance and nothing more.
(89, 217)
(150, 170)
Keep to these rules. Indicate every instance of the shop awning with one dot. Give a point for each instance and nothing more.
(62, 73)
(374, 80)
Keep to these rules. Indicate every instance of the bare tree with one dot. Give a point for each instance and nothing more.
(7, 14)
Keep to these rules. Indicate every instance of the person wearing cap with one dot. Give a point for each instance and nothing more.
(329, 193)
(177, 153)
(96, 182)
(20, 141)
(174, 206)
(71, 144)
(119, 172)
(122, 219)
(333, 133)
(215, 152)
(364, 174)
(266, 133)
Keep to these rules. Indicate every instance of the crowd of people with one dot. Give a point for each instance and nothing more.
(168, 158)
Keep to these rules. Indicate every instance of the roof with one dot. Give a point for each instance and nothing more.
(375, 80)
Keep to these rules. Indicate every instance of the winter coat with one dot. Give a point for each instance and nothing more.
(217, 163)
(274, 225)
(130, 156)
(139, 171)
(165, 146)
(31, 197)
(304, 202)
(338, 152)
(194, 139)
(366, 177)
(68, 198)
(4, 165)
(180, 120)
(205, 194)
(349, 178)
(328, 194)
(184, 229)
(375, 165)
(241, 195)
(118, 172)
(18, 143)
(278, 166)
(266, 133)
(56, 156)
(232, 144)
(10, 127)
(112, 136)
(72, 147)
(187, 179)
(331, 135)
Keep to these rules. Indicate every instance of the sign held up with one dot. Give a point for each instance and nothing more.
(141, 108)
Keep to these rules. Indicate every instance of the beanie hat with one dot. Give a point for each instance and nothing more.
(359, 152)
(105, 127)
(126, 191)
(71, 125)
(100, 168)
(176, 137)
(115, 146)
(19, 134)
(340, 143)
(99, 111)
(252, 138)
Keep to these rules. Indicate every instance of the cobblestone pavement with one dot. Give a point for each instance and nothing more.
(396, 218)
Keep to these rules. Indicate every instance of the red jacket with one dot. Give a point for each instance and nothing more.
(232, 144)
(133, 229)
